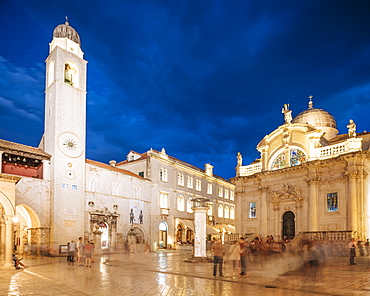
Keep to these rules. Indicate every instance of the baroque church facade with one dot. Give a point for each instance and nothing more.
(52, 194)
(308, 179)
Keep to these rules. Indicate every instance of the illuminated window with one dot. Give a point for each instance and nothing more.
(209, 188)
(163, 200)
(297, 157)
(190, 182)
(220, 211)
(252, 210)
(198, 185)
(226, 212)
(226, 193)
(232, 213)
(180, 203)
(279, 162)
(210, 209)
(180, 179)
(219, 192)
(332, 202)
(163, 175)
(189, 205)
(232, 195)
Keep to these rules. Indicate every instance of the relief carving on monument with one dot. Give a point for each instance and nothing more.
(290, 193)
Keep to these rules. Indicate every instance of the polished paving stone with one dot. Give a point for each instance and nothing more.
(166, 273)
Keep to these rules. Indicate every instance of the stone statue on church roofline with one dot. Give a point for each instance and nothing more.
(287, 113)
(351, 129)
(239, 159)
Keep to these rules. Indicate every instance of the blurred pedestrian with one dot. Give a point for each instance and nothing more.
(88, 248)
(234, 258)
(147, 249)
(80, 248)
(93, 250)
(219, 250)
(71, 251)
(352, 252)
(244, 251)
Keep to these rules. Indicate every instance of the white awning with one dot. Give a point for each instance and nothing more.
(187, 223)
(227, 227)
(211, 230)
(190, 224)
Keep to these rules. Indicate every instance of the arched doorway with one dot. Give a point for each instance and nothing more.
(179, 233)
(289, 225)
(162, 244)
(104, 229)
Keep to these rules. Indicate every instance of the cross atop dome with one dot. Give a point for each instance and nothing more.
(310, 103)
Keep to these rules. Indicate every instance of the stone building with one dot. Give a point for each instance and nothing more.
(175, 184)
(51, 194)
(308, 179)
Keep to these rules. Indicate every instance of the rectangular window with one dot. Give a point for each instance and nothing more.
(209, 188)
(163, 200)
(219, 192)
(198, 185)
(189, 205)
(190, 182)
(141, 174)
(163, 175)
(232, 196)
(210, 209)
(64, 185)
(226, 194)
(252, 210)
(74, 186)
(180, 179)
(332, 202)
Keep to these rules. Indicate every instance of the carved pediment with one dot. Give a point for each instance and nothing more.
(288, 193)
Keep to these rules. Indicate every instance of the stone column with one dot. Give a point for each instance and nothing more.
(2, 240)
(312, 210)
(264, 213)
(277, 234)
(352, 200)
(8, 262)
(200, 220)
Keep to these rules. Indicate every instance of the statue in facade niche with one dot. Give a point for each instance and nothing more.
(287, 113)
(239, 159)
(351, 129)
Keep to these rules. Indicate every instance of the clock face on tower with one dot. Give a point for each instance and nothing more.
(70, 145)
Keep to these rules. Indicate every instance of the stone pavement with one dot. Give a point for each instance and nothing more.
(165, 273)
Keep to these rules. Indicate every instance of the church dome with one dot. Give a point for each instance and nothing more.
(65, 30)
(320, 119)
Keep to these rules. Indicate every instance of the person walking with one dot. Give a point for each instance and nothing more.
(147, 249)
(80, 248)
(234, 258)
(244, 251)
(219, 250)
(71, 251)
(352, 252)
(88, 252)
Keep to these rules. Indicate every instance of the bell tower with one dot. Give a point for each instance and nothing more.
(65, 133)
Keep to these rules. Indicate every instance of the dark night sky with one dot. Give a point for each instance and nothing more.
(203, 79)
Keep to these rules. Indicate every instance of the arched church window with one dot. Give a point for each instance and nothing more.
(70, 74)
(297, 156)
(279, 162)
(51, 72)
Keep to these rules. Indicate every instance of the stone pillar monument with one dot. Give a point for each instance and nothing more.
(200, 208)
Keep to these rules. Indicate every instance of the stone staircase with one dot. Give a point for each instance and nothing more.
(333, 243)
